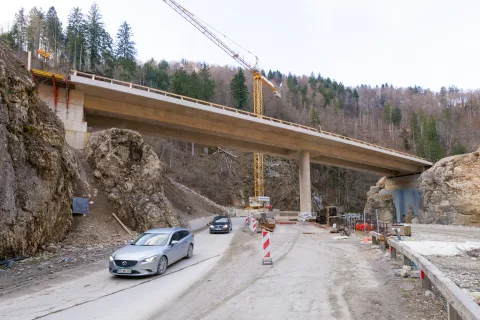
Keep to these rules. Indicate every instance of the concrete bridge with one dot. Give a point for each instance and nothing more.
(106, 103)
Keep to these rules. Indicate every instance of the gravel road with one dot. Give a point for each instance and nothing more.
(313, 277)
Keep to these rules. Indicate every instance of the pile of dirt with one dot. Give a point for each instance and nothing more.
(450, 191)
(37, 170)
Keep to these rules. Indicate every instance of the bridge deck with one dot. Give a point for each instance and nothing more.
(156, 111)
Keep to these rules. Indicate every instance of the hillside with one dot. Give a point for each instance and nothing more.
(429, 123)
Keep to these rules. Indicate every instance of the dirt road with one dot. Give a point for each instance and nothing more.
(313, 277)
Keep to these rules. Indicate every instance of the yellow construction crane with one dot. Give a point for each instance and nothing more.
(258, 81)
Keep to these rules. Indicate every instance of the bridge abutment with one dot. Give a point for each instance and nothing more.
(405, 194)
(304, 181)
(72, 116)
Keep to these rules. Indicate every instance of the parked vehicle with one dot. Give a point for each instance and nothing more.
(152, 252)
(221, 224)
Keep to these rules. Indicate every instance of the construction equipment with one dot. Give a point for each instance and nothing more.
(258, 81)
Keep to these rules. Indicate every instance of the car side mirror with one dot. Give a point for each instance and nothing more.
(131, 241)
(174, 242)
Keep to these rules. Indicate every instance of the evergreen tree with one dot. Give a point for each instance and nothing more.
(207, 84)
(19, 30)
(239, 90)
(315, 119)
(76, 39)
(180, 82)
(194, 90)
(53, 33)
(162, 78)
(95, 38)
(396, 116)
(312, 81)
(433, 140)
(387, 113)
(270, 75)
(107, 58)
(416, 134)
(125, 52)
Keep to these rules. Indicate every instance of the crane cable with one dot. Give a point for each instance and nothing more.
(206, 23)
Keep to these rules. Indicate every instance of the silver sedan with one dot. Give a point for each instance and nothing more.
(152, 252)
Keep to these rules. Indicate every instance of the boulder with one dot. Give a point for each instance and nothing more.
(381, 202)
(133, 177)
(37, 169)
(450, 191)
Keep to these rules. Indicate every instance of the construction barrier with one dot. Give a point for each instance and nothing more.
(267, 255)
(253, 226)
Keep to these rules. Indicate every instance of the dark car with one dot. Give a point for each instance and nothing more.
(221, 224)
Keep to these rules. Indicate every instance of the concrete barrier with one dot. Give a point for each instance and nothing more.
(199, 223)
(459, 303)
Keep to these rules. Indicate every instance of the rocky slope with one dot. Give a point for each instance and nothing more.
(37, 170)
(450, 191)
(133, 177)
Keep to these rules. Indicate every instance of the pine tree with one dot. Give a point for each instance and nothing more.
(433, 140)
(162, 78)
(239, 90)
(125, 52)
(180, 82)
(76, 37)
(207, 84)
(396, 116)
(270, 75)
(315, 119)
(95, 38)
(387, 113)
(53, 33)
(19, 30)
(194, 89)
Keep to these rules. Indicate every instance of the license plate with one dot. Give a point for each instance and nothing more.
(124, 271)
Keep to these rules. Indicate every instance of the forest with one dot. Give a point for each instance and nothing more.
(431, 124)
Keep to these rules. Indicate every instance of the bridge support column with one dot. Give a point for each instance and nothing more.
(304, 179)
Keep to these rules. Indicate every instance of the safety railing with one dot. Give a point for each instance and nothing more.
(218, 106)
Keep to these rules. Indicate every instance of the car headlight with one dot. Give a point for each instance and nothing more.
(111, 258)
(225, 226)
(150, 259)
(211, 226)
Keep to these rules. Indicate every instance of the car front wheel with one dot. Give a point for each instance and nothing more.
(162, 265)
(190, 251)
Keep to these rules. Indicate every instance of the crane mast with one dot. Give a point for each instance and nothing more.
(258, 81)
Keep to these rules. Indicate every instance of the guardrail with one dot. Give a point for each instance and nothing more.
(459, 304)
(215, 105)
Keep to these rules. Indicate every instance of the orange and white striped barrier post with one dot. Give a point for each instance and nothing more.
(267, 254)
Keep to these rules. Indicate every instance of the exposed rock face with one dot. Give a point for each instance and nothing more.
(36, 166)
(133, 177)
(381, 202)
(450, 191)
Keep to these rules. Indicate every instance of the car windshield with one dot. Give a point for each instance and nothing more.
(151, 239)
(220, 220)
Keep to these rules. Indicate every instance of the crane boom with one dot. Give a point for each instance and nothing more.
(258, 81)
(193, 20)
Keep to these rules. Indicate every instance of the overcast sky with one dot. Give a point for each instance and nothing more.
(431, 43)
